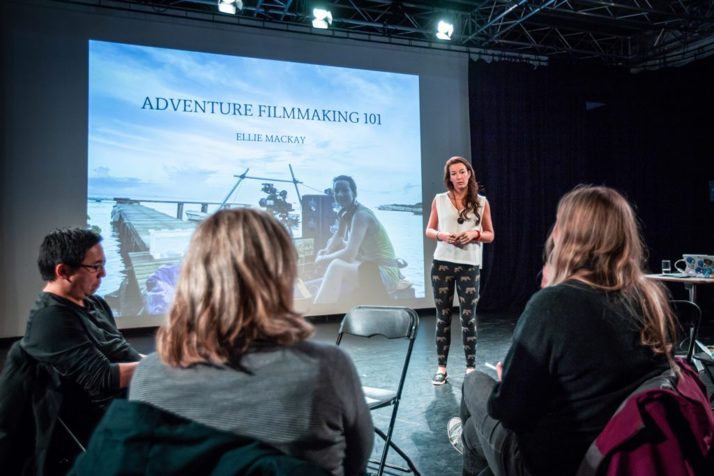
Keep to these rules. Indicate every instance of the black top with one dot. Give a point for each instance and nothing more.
(575, 356)
(82, 343)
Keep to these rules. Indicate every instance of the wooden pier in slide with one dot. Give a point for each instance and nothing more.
(135, 224)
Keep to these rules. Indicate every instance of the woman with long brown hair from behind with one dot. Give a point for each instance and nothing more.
(593, 334)
(233, 354)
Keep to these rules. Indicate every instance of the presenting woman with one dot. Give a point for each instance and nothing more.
(233, 369)
(460, 222)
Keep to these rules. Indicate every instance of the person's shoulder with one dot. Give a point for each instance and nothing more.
(329, 355)
(98, 301)
(320, 349)
(151, 377)
(561, 299)
(364, 214)
(363, 210)
(148, 367)
(568, 290)
(336, 368)
(150, 361)
(52, 326)
(572, 287)
(45, 299)
(441, 198)
(51, 308)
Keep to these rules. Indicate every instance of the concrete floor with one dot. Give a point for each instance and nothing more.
(425, 409)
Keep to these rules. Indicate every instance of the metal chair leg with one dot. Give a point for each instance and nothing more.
(71, 435)
(382, 463)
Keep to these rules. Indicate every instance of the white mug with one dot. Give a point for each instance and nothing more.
(696, 265)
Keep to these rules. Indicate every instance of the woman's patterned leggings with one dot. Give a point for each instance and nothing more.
(446, 276)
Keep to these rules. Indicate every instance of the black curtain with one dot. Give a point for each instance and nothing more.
(538, 132)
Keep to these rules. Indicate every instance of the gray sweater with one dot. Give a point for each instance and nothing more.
(305, 400)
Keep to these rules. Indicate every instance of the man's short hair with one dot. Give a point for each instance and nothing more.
(66, 246)
(350, 181)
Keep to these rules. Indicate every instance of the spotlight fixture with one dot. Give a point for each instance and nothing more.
(444, 30)
(323, 18)
(230, 6)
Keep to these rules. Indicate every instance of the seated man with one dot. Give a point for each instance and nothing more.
(73, 331)
(359, 244)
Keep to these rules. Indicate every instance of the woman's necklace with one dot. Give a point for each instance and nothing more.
(456, 201)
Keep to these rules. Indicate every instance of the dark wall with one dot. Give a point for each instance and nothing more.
(536, 133)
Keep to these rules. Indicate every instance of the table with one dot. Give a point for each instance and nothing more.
(690, 282)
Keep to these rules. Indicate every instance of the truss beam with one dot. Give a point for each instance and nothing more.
(628, 33)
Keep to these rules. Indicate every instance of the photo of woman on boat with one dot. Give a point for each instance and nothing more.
(359, 257)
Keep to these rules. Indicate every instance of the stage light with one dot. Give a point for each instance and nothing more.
(323, 18)
(230, 6)
(444, 30)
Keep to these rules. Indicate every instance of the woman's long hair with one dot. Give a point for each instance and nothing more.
(471, 201)
(596, 240)
(235, 292)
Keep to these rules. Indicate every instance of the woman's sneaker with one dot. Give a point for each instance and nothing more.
(439, 378)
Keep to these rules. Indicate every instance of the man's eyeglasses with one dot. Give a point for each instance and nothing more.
(95, 268)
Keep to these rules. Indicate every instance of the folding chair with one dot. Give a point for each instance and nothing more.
(707, 362)
(33, 437)
(392, 323)
(689, 316)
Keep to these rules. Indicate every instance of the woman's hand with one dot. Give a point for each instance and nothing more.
(321, 262)
(451, 238)
(467, 237)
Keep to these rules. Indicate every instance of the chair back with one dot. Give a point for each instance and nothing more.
(689, 316)
(33, 437)
(389, 321)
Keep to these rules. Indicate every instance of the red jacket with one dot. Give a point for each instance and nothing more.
(663, 428)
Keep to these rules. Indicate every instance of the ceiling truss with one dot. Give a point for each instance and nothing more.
(631, 33)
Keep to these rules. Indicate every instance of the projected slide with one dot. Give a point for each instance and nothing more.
(176, 135)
